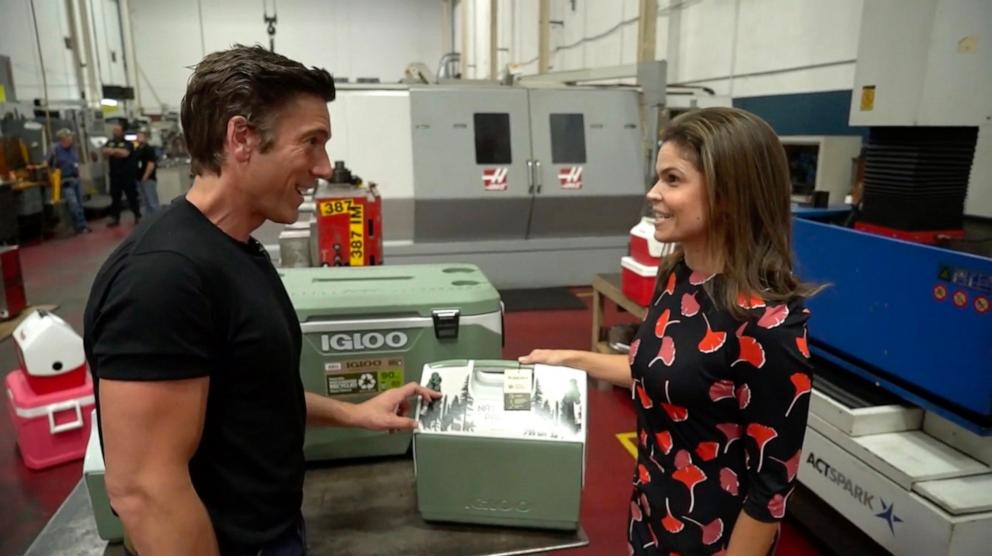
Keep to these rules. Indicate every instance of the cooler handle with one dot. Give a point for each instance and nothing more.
(71, 425)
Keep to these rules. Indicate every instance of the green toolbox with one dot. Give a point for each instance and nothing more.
(505, 445)
(108, 526)
(368, 329)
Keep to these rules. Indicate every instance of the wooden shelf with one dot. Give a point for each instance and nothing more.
(607, 286)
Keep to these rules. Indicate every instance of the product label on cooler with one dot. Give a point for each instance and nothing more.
(516, 389)
(363, 376)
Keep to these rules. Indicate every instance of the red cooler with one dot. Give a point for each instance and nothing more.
(644, 248)
(50, 353)
(637, 281)
(51, 428)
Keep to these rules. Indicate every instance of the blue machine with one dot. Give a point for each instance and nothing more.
(911, 318)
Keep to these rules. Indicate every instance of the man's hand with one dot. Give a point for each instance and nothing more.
(387, 410)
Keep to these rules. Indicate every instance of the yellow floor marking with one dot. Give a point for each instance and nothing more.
(629, 441)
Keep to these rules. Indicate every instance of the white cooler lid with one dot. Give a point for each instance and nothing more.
(637, 268)
(557, 400)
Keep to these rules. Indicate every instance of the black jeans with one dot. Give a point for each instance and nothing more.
(129, 187)
(291, 543)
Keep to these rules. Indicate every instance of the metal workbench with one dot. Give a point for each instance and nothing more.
(351, 508)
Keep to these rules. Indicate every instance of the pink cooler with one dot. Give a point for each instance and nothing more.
(644, 248)
(637, 281)
(51, 428)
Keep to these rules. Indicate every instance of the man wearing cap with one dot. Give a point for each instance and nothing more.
(64, 158)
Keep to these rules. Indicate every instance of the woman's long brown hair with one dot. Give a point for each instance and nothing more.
(748, 186)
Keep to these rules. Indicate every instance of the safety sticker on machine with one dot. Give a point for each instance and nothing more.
(960, 299)
(982, 304)
(363, 376)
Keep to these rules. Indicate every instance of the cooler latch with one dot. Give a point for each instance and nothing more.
(446, 323)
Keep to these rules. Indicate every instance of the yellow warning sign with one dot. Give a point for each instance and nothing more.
(867, 98)
(331, 208)
(356, 233)
(3, 94)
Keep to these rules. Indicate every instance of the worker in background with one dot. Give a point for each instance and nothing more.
(64, 157)
(147, 163)
(123, 175)
(191, 336)
(719, 370)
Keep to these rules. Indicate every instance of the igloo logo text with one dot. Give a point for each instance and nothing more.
(363, 341)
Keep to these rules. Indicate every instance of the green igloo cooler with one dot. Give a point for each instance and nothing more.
(368, 329)
(505, 445)
(108, 526)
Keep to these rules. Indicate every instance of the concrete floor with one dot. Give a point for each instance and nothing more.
(61, 272)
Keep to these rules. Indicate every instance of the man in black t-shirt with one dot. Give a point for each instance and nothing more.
(191, 336)
(123, 173)
(147, 165)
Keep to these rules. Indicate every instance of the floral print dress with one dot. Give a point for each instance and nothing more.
(722, 407)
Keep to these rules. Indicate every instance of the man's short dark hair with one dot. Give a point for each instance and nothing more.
(244, 81)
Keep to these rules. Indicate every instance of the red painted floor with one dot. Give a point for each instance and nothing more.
(61, 272)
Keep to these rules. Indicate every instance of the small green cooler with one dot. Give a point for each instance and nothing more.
(108, 526)
(504, 446)
(368, 329)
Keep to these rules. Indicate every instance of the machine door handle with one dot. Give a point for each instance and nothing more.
(537, 175)
(530, 177)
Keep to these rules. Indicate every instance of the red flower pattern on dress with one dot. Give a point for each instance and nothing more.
(713, 340)
(721, 390)
(774, 316)
(707, 451)
(676, 413)
(749, 301)
(750, 350)
(803, 345)
(762, 435)
(728, 481)
(803, 385)
(670, 522)
(743, 395)
(732, 431)
(690, 307)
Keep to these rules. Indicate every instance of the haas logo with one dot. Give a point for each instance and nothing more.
(362, 341)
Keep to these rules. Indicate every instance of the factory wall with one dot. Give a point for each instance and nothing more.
(17, 40)
(738, 48)
(351, 38)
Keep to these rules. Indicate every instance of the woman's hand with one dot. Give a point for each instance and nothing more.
(547, 357)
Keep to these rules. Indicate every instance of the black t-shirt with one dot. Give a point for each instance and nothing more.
(122, 167)
(180, 299)
(146, 155)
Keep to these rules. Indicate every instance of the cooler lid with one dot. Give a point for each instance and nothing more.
(637, 268)
(503, 399)
(395, 290)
